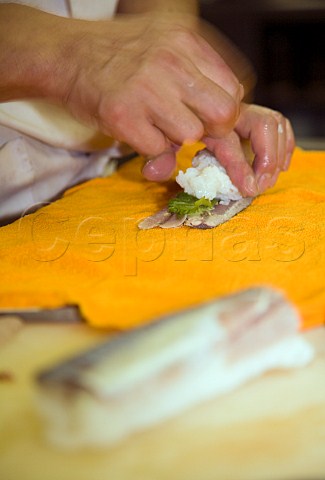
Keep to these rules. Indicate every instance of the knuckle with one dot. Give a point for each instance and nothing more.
(191, 132)
(233, 86)
(167, 59)
(270, 122)
(273, 118)
(151, 148)
(113, 115)
(183, 35)
(116, 111)
(227, 113)
(277, 115)
(195, 131)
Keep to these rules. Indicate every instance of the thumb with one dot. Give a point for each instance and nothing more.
(161, 167)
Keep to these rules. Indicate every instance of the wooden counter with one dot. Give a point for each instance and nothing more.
(272, 428)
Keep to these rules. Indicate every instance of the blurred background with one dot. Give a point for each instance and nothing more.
(285, 41)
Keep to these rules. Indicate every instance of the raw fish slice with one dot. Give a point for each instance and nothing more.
(152, 373)
(197, 179)
(163, 219)
(220, 214)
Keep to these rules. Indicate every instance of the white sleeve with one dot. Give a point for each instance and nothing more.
(92, 10)
(83, 9)
(33, 173)
(38, 169)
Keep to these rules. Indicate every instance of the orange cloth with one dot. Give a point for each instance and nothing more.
(86, 249)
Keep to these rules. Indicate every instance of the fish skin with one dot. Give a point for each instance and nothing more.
(220, 214)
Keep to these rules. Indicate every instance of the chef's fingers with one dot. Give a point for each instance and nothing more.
(282, 147)
(234, 58)
(267, 132)
(175, 119)
(211, 64)
(204, 108)
(141, 135)
(216, 109)
(291, 143)
(161, 167)
(182, 90)
(178, 108)
(182, 78)
(261, 127)
(229, 152)
(282, 142)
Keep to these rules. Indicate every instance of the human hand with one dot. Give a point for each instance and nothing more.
(154, 83)
(151, 84)
(272, 142)
(271, 139)
(148, 81)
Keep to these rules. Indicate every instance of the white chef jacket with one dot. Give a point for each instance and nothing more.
(83, 9)
(43, 150)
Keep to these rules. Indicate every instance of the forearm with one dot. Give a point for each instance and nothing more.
(34, 53)
(164, 6)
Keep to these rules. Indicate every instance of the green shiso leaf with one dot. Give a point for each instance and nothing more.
(185, 204)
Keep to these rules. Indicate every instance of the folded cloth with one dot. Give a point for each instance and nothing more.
(33, 172)
(86, 248)
(51, 124)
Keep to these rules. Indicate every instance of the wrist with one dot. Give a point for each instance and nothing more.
(36, 50)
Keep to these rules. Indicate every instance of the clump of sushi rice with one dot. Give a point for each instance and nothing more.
(207, 178)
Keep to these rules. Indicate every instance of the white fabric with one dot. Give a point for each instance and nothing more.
(51, 124)
(83, 9)
(24, 174)
(93, 9)
(57, 7)
(34, 170)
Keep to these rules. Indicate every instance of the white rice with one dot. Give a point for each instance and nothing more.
(207, 178)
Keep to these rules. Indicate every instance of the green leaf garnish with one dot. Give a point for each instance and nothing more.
(185, 204)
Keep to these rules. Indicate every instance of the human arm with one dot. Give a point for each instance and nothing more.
(145, 83)
(35, 51)
(269, 132)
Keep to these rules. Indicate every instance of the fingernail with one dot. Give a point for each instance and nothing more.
(241, 91)
(148, 161)
(150, 169)
(251, 185)
(287, 161)
(264, 182)
(275, 178)
(156, 169)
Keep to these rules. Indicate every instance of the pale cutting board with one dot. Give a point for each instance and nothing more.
(272, 428)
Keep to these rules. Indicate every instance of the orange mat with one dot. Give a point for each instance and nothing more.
(86, 249)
